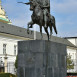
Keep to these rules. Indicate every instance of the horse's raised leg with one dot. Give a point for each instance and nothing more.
(29, 26)
(41, 32)
(46, 32)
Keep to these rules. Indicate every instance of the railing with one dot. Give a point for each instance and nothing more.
(10, 67)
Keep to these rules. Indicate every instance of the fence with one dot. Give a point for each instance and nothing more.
(10, 67)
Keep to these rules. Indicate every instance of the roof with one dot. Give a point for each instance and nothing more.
(22, 32)
(4, 19)
(69, 37)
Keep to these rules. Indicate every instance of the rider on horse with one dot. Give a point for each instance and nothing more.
(46, 10)
(45, 6)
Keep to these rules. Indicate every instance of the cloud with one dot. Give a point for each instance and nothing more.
(20, 21)
(67, 34)
(68, 6)
(66, 16)
(13, 8)
(64, 11)
(19, 14)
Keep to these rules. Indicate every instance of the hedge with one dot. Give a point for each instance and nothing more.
(6, 75)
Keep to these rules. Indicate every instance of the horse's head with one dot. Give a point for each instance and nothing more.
(32, 4)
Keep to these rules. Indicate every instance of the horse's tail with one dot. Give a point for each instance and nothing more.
(54, 24)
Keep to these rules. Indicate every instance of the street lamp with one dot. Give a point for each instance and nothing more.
(1, 65)
(5, 63)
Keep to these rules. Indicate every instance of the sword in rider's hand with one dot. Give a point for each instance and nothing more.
(24, 3)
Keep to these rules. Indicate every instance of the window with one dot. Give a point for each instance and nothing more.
(15, 47)
(4, 48)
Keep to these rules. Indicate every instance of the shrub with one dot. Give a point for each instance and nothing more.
(6, 75)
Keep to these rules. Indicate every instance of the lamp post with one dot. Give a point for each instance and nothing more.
(1, 65)
(5, 63)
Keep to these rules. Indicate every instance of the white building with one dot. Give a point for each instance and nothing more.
(10, 35)
(72, 51)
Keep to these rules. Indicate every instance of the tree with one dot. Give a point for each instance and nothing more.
(70, 63)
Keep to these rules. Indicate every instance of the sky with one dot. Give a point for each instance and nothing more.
(64, 11)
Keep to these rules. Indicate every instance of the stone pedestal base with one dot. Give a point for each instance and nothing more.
(39, 58)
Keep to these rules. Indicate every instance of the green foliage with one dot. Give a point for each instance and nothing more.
(6, 75)
(16, 61)
(70, 63)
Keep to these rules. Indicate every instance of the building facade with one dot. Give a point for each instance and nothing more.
(10, 35)
(73, 53)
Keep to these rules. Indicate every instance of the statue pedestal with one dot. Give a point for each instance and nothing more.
(39, 58)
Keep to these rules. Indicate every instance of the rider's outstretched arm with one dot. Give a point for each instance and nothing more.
(25, 3)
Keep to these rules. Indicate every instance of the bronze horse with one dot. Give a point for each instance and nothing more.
(38, 18)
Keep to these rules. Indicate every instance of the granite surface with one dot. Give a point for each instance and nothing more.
(39, 58)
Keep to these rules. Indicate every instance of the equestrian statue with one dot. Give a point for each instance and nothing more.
(41, 16)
